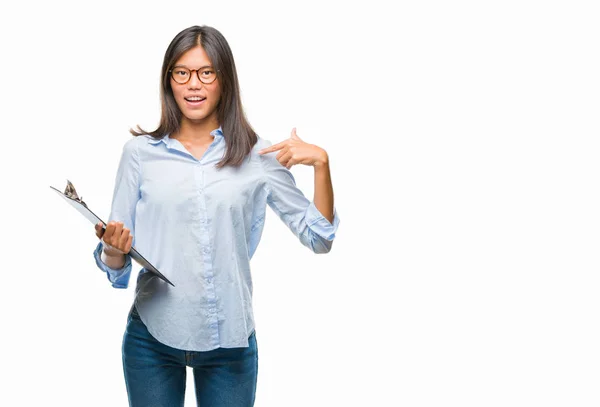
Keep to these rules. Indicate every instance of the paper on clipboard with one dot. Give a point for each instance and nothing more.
(71, 197)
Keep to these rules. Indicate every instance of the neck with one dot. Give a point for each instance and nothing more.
(196, 132)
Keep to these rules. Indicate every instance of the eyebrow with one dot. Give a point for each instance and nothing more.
(185, 66)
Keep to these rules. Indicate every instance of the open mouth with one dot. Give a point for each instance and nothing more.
(195, 99)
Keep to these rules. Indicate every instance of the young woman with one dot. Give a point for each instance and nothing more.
(194, 193)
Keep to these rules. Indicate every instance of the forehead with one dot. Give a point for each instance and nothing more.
(195, 57)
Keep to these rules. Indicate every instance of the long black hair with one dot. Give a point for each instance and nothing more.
(238, 134)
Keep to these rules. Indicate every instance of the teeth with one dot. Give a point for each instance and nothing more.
(195, 98)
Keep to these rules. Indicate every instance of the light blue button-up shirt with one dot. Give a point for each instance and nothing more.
(200, 227)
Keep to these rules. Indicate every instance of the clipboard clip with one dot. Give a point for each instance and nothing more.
(70, 192)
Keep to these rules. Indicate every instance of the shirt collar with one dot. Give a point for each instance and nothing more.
(216, 133)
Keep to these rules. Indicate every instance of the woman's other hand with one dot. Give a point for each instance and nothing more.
(116, 239)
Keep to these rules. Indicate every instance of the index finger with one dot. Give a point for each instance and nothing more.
(272, 148)
(110, 229)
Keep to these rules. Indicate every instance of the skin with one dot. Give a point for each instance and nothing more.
(196, 124)
(117, 240)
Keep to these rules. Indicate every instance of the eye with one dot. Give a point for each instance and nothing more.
(207, 72)
(180, 72)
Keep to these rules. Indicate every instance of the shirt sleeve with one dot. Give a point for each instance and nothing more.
(126, 194)
(299, 214)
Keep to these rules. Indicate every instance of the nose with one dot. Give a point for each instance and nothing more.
(194, 82)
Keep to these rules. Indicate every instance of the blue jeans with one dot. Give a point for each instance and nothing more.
(155, 374)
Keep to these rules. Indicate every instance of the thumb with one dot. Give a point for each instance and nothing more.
(294, 135)
(99, 230)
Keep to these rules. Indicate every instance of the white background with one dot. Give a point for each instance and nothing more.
(464, 143)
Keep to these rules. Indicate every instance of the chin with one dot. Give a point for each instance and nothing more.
(197, 116)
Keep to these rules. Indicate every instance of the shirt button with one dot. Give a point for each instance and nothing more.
(209, 280)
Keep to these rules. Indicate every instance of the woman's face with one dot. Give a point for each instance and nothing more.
(196, 100)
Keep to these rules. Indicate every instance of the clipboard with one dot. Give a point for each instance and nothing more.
(71, 197)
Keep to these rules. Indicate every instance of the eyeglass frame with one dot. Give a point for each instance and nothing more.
(197, 74)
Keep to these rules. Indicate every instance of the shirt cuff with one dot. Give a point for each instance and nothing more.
(118, 277)
(319, 224)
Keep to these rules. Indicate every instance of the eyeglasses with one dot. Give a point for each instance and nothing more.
(181, 74)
